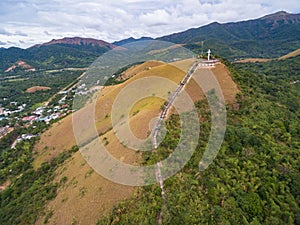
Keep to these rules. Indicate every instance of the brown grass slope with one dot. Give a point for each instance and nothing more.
(227, 85)
(138, 69)
(86, 195)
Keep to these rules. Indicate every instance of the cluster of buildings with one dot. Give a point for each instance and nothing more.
(23, 137)
(46, 114)
(84, 90)
(41, 114)
(7, 112)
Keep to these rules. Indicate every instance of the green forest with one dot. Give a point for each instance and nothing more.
(30, 189)
(56, 56)
(13, 88)
(255, 178)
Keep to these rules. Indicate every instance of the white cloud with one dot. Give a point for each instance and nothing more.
(157, 18)
(32, 21)
(4, 32)
(20, 33)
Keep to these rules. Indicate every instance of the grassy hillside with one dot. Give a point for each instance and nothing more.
(255, 177)
(261, 60)
(76, 170)
(79, 176)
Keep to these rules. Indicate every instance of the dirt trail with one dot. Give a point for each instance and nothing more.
(5, 185)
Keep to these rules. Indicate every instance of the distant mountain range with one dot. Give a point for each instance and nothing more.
(269, 36)
(131, 40)
(66, 52)
(79, 41)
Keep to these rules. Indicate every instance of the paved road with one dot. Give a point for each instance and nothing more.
(158, 174)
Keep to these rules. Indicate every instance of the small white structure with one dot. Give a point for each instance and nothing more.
(39, 111)
(208, 54)
(209, 62)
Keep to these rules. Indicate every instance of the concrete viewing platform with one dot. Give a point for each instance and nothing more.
(207, 63)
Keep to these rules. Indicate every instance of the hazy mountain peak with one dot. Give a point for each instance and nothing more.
(130, 40)
(282, 15)
(274, 15)
(78, 41)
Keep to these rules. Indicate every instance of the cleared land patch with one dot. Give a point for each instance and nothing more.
(37, 88)
(5, 185)
(84, 196)
(227, 85)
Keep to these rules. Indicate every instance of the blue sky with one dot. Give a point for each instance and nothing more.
(27, 22)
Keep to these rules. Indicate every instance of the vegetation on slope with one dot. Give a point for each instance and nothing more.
(254, 180)
(255, 177)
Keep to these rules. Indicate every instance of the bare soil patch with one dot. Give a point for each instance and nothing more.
(37, 88)
(228, 86)
(5, 185)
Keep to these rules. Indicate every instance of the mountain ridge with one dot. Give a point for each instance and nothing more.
(131, 39)
(269, 36)
(274, 16)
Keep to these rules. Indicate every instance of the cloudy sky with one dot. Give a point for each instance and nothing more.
(27, 22)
